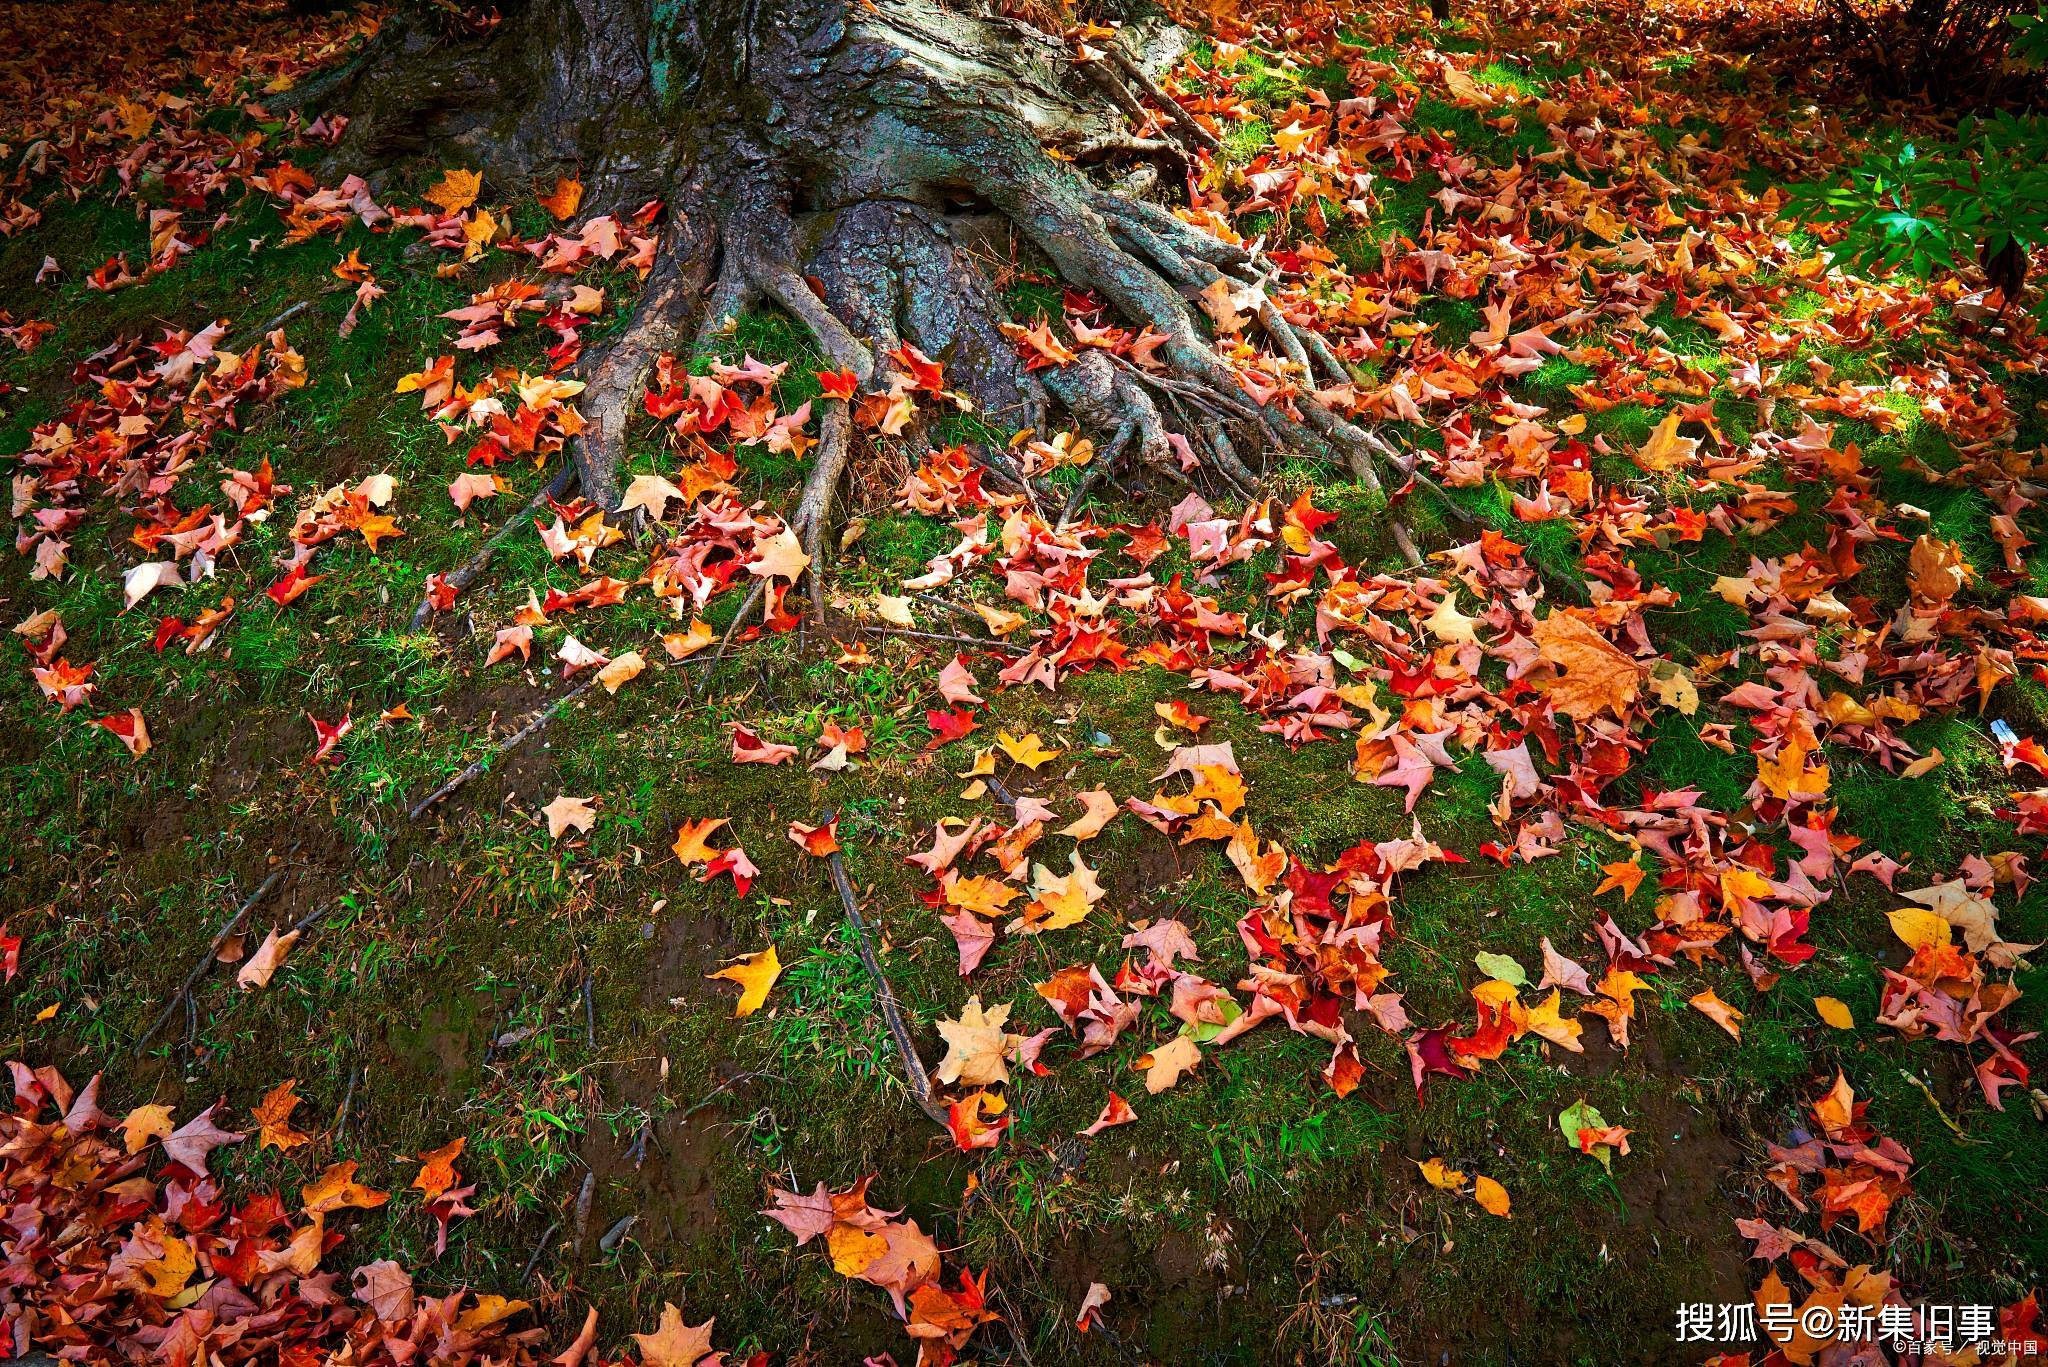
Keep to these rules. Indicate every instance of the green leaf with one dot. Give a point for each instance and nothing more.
(1503, 967)
(1582, 1116)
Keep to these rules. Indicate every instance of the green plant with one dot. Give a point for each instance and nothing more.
(1927, 207)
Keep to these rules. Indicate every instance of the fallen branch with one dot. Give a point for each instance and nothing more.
(533, 724)
(221, 937)
(914, 1075)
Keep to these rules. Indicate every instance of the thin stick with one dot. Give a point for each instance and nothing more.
(533, 724)
(220, 938)
(467, 572)
(914, 1075)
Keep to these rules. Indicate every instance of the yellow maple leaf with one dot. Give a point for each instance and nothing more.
(456, 191)
(691, 845)
(755, 974)
(1441, 1175)
(1546, 1021)
(169, 1273)
(568, 194)
(1220, 786)
(1666, 450)
(854, 1249)
(1710, 1005)
(1625, 876)
(1026, 750)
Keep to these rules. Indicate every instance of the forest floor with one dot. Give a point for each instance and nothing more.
(1791, 504)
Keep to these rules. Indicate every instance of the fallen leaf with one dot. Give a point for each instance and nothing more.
(755, 974)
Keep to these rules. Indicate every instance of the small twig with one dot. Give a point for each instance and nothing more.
(914, 1075)
(221, 937)
(533, 724)
(1183, 120)
(348, 1099)
(735, 1080)
(274, 324)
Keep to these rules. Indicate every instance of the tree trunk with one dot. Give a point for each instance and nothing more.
(873, 148)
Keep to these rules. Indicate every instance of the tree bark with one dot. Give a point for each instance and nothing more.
(851, 161)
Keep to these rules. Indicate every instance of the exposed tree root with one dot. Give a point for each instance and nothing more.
(183, 995)
(466, 574)
(534, 724)
(914, 1076)
(755, 597)
(861, 161)
(616, 376)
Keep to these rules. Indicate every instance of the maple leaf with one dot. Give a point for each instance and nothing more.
(1027, 751)
(139, 582)
(455, 191)
(144, 1123)
(563, 202)
(651, 494)
(837, 384)
(569, 813)
(1447, 624)
(976, 1045)
(189, 1145)
(336, 1188)
(817, 841)
(327, 735)
(749, 748)
(264, 963)
(437, 1169)
(128, 728)
(984, 896)
(386, 1288)
(1666, 451)
(1098, 810)
(673, 1343)
(691, 845)
(947, 727)
(1115, 1111)
(1710, 1005)
(1596, 677)
(681, 645)
(1546, 1022)
(780, 556)
(1164, 1066)
(273, 1117)
(755, 974)
(621, 670)
(1624, 876)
